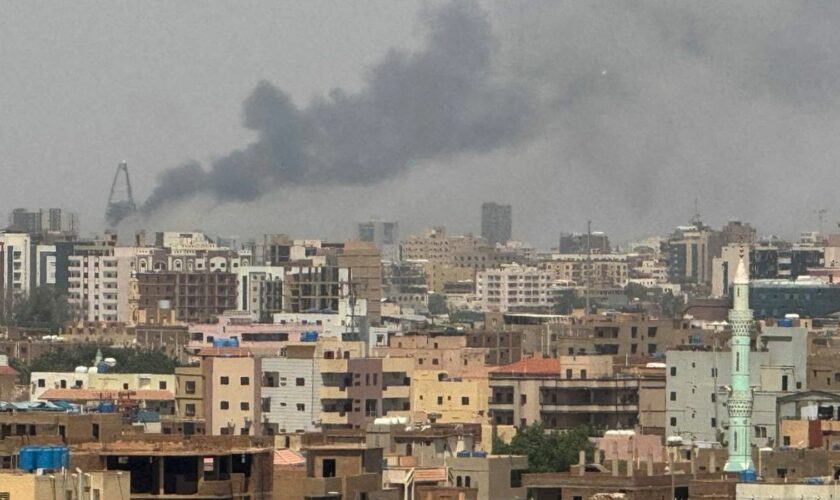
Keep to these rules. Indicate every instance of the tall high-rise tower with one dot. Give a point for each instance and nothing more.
(740, 398)
(120, 201)
(496, 222)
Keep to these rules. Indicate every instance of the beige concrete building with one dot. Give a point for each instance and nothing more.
(437, 397)
(569, 391)
(441, 276)
(438, 246)
(44, 381)
(513, 286)
(98, 485)
(430, 351)
(608, 270)
(231, 379)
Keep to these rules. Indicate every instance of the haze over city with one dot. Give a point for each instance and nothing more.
(624, 114)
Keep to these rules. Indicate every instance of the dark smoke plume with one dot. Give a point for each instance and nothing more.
(437, 102)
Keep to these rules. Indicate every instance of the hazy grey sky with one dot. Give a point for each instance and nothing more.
(636, 109)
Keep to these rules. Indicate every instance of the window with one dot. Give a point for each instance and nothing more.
(714, 398)
(583, 374)
(328, 467)
(224, 405)
(189, 387)
(465, 401)
(244, 406)
(673, 421)
(301, 407)
(516, 478)
(466, 481)
(224, 381)
(523, 399)
(189, 409)
(43, 383)
(162, 385)
(434, 361)
(440, 400)
(651, 331)
(300, 382)
(786, 441)
(244, 381)
(459, 482)
(95, 431)
(673, 395)
(673, 371)
(714, 422)
(569, 373)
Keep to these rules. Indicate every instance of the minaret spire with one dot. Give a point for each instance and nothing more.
(740, 397)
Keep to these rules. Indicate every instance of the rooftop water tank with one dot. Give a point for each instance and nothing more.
(81, 369)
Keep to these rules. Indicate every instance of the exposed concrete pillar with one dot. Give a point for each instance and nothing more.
(160, 475)
(649, 464)
(615, 466)
(712, 463)
(582, 462)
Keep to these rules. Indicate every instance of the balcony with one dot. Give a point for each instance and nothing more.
(333, 365)
(333, 392)
(333, 418)
(397, 391)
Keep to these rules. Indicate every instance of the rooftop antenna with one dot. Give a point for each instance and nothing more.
(120, 200)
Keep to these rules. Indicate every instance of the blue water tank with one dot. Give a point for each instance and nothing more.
(480, 454)
(234, 342)
(26, 459)
(785, 323)
(44, 458)
(65, 457)
(219, 342)
(747, 476)
(309, 336)
(463, 454)
(57, 458)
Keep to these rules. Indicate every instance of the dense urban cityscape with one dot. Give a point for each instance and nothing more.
(697, 364)
(419, 250)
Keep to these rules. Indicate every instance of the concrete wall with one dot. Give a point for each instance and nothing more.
(286, 397)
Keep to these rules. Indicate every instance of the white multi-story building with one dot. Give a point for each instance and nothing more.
(15, 270)
(93, 286)
(44, 258)
(259, 290)
(513, 286)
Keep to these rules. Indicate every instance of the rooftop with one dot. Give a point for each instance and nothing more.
(93, 395)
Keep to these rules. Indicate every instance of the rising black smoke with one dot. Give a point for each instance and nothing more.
(440, 101)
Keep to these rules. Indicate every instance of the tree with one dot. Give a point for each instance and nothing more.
(67, 358)
(552, 451)
(45, 307)
(437, 304)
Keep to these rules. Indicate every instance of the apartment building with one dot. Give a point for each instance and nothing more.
(197, 296)
(15, 266)
(607, 270)
(354, 392)
(513, 287)
(437, 397)
(697, 394)
(41, 382)
(291, 389)
(570, 391)
(438, 246)
(259, 290)
(231, 380)
(434, 351)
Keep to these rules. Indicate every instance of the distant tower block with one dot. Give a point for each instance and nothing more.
(120, 201)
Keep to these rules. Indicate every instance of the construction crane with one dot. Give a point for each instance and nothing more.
(120, 201)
